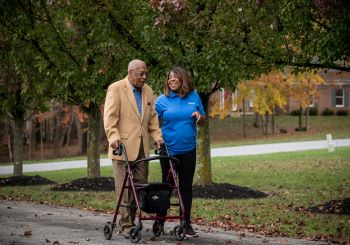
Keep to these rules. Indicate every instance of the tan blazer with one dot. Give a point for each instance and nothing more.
(122, 120)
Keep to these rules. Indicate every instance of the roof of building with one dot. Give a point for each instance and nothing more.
(335, 76)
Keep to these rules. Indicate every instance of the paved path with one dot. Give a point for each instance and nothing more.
(215, 152)
(34, 224)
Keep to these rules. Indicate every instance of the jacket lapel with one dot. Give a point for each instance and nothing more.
(131, 97)
(144, 102)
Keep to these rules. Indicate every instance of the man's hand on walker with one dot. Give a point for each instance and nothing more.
(158, 143)
(115, 144)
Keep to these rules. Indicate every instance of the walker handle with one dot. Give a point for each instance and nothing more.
(162, 149)
(119, 150)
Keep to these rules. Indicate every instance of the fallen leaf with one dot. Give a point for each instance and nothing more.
(28, 232)
(73, 242)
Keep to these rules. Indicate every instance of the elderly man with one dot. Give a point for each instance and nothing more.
(129, 118)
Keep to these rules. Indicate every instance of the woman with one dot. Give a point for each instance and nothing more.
(180, 110)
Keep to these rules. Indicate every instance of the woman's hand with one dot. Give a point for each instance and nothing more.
(197, 115)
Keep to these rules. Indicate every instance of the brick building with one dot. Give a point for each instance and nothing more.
(334, 97)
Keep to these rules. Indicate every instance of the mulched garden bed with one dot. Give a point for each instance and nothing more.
(87, 184)
(226, 191)
(340, 207)
(215, 191)
(25, 180)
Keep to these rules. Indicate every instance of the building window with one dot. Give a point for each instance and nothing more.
(339, 97)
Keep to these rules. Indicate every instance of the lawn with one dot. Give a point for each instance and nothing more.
(293, 181)
(230, 130)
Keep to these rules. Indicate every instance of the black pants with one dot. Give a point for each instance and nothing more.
(185, 172)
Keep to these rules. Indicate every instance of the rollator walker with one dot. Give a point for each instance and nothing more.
(150, 198)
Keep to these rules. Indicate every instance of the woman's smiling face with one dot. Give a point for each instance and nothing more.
(174, 83)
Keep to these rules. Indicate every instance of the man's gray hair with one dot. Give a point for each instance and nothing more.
(135, 64)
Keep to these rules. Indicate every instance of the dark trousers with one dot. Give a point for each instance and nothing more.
(185, 172)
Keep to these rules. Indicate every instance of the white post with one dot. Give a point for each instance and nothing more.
(330, 143)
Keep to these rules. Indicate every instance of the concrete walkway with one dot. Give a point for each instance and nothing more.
(33, 224)
(215, 152)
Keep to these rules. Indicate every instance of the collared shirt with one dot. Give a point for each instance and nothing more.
(178, 126)
(138, 97)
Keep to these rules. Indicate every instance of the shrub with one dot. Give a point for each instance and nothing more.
(313, 111)
(283, 131)
(342, 113)
(328, 112)
(295, 112)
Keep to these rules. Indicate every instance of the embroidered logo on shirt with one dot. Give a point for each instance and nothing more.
(191, 103)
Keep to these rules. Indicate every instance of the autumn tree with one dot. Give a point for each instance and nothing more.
(190, 34)
(81, 47)
(243, 92)
(222, 42)
(267, 93)
(22, 90)
(305, 90)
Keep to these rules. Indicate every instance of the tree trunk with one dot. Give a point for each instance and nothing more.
(41, 140)
(57, 138)
(301, 118)
(244, 119)
(18, 144)
(307, 118)
(273, 122)
(31, 131)
(9, 142)
(257, 121)
(204, 176)
(69, 130)
(93, 142)
(50, 129)
(266, 124)
(82, 136)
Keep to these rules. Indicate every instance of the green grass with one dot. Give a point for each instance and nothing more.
(229, 132)
(293, 180)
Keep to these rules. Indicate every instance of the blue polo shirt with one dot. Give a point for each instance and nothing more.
(138, 97)
(178, 127)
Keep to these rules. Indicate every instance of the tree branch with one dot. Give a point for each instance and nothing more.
(63, 46)
(314, 66)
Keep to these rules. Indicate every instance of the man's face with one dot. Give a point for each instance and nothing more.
(138, 76)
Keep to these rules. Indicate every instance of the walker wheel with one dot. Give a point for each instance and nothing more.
(179, 232)
(108, 230)
(135, 235)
